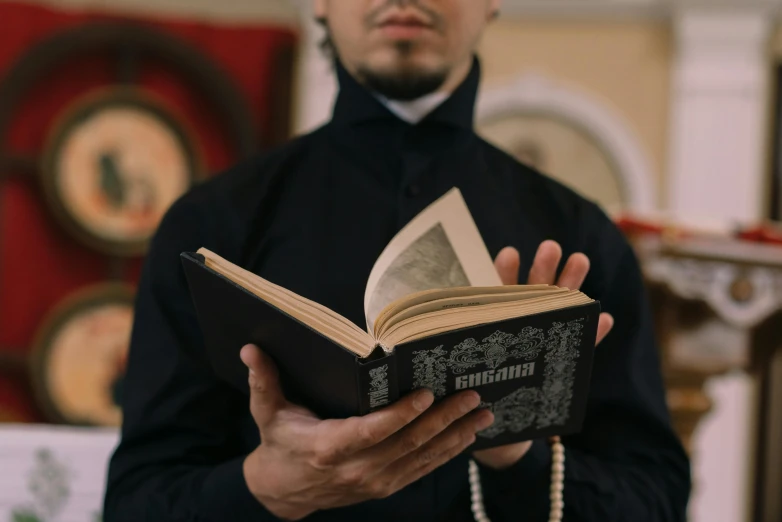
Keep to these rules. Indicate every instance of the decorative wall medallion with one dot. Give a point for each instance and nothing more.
(563, 151)
(572, 136)
(114, 164)
(80, 356)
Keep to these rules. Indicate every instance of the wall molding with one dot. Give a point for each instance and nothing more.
(604, 9)
(535, 93)
(624, 9)
(284, 11)
(234, 12)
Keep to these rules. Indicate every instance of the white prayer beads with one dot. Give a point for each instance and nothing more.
(557, 509)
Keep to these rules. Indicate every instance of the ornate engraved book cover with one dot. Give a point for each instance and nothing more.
(532, 372)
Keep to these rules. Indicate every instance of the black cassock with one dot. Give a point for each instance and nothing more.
(313, 216)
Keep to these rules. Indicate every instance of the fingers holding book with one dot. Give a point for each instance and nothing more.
(417, 449)
(573, 275)
(437, 429)
(507, 265)
(444, 445)
(305, 464)
(337, 440)
(544, 272)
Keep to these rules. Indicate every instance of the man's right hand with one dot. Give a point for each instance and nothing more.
(305, 464)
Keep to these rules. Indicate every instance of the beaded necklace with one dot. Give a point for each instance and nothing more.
(557, 485)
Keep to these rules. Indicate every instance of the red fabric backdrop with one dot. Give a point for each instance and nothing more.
(40, 263)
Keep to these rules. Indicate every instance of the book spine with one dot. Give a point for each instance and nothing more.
(378, 384)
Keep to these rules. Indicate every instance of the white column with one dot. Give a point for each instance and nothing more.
(316, 84)
(719, 103)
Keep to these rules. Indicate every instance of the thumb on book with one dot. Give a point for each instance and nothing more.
(266, 396)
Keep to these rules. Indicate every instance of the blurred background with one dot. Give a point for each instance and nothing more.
(666, 112)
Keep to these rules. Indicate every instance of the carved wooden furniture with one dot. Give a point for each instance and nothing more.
(718, 308)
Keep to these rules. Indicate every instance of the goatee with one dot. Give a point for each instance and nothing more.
(402, 85)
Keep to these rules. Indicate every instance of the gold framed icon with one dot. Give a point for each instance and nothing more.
(114, 163)
(80, 353)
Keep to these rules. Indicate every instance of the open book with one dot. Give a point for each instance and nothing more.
(437, 316)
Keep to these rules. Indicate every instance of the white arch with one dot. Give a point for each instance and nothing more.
(533, 93)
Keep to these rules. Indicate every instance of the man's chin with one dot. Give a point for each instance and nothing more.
(401, 59)
(402, 81)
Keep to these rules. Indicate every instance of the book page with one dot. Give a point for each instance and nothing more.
(316, 316)
(440, 248)
(433, 323)
(427, 296)
(384, 322)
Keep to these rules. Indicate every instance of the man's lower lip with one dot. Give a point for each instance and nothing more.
(399, 31)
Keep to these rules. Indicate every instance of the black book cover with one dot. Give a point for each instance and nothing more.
(313, 370)
(533, 372)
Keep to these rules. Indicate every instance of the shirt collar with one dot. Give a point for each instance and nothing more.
(414, 111)
(355, 104)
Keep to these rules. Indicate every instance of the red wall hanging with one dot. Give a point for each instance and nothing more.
(104, 121)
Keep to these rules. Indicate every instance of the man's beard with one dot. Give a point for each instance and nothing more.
(394, 85)
(402, 85)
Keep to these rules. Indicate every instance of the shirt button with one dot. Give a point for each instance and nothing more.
(412, 190)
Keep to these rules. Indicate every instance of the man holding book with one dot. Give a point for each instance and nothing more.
(313, 217)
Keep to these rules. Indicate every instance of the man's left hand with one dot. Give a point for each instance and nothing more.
(543, 271)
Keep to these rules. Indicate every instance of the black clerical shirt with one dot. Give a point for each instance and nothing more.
(313, 216)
